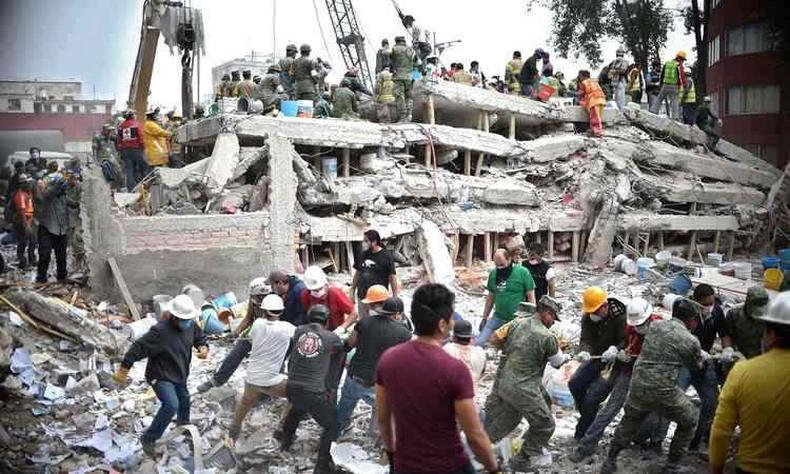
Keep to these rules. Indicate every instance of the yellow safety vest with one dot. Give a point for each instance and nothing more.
(690, 96)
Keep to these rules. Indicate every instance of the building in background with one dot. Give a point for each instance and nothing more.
(52, 115)
(748, 89)
(256, 62)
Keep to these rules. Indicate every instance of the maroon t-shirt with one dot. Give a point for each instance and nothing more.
(423, 382)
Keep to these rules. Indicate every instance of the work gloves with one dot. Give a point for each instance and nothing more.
(121, 375)
(342, 333)
(583, 356)
(609, 355)
(728, 354)
(623, 356)
(203, 352)
(558, 359)
(705, 356)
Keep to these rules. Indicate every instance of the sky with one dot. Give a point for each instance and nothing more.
(96, 40)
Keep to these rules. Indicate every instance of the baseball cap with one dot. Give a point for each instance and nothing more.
(462, 329)
(392, 305)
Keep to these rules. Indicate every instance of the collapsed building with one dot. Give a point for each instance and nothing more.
(476, 168)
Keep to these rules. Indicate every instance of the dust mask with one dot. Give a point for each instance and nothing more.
(707, 311)
(184, 324)
(365, 245)
(595, 318)
(533, 261)
(502, 267)
(320, 293)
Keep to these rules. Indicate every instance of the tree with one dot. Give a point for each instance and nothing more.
(579, 26)
(695, 20)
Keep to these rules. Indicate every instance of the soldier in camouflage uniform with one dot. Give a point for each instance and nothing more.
(73, 194)
(403, 60)
(286, 79)
(305, 75)
(270, 90)
(743, 324)
(669, 346)
(518, 392)
(344, 103)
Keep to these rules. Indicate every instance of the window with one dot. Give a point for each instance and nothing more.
(47, 107)
(61, 109)
(14, 104)
(108, 109)
(746, 100)
(89, 109)
(75, 109)
(715, 3)
(68, 97)
(714, 103)
(748, 39)
(714, 50)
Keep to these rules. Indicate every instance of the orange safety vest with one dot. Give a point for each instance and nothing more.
(591, 94)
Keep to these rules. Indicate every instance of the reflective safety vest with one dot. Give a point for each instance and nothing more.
(671, 73)
(690, 95)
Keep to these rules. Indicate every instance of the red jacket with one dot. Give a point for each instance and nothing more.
(23, 205)
(130, 135)
(336, 300)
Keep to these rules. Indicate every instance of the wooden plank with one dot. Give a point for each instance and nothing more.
(512, 128)
(731, 247)
(346, 162)
(334, 253)
(456, 246)
(692, 246)
(479, 168)
(647, 244)
(551, 244)
(350, 256)
(431, 110)
(575, 246)
(428, 159)
(660, 241)
(121, 282)
(487, 247)
(468, 162)
(470, 250)
(716, 241)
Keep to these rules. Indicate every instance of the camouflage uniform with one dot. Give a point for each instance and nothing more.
(518, 391)
(344, 103)
(305, 78)
(403, 58)
(746, 331)
(73, 196)
(268, 90)
(286, 79)
(668, 347)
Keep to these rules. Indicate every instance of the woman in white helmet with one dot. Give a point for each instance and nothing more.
(258, 289)
(639, 314)
(270, 338)
(342, 313)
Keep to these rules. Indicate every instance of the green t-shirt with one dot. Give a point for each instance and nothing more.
(511, 292)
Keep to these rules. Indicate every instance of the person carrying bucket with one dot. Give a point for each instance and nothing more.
(592, 98)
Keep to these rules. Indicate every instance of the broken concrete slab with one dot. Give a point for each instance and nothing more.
(552, 147)
(222, 163)
(643, 222)
(433, 248)
(511, 193)
(681, 189)
(336, 229)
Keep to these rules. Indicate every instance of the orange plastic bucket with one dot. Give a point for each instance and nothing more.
(545, 91)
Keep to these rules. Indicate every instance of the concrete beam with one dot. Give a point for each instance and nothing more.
(552, 147)
(336, 229)
(652, 222)
(282, 195)
(683, 190)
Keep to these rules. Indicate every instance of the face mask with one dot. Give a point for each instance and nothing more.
(534, 261)
(35, 155)
(184, 324)
(595, 318)
(502, 267)
(707, 311)
(318, 293)
(365, 245)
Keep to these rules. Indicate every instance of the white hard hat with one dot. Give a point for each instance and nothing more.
(779, 309)
(314, 278)
(182, 307)
(259, 286)
(272, 303)
(638, 311)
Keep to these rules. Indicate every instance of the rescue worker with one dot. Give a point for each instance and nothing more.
(290, 289)
(318, 291)
(420, 39)
(36, 162)
(223, 88)
(636, 84)
(305, 75)
(233, 87)
(512, 70)
(168, 348)
(323, 109)
(542, 272)
(23, 211)
(605, 81)
(528, 76)
(131, 143)
(286, 74)
(602, 335)
(176, 157)
(375, 266)
(385, 98)
(592, 98)
(668, 346)
(53, 219)
(617, 74)
(461, 347)
(706, 121)
(323, 69)
(259, 288)
(640, 316)
(371, 337)
(314, 370)
(518, 391)
(462, 77)
(246, 87)
(546, 69)
(272, 92)
(755, 398)
(73, 172)
(156, 140)
(383, 56)
(508, 285)
(653, 84)
(478, 78)
(745, 324)
(403, 62)
(433, 71)
(107, 157)
(673, 77)
(344, 101)
(355, 84)
(688, 102)
(270, 341)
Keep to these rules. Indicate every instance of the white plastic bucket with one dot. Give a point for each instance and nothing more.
(643, 264)
(228, 105)
(329, 167)
(676, 264)
(668, 300)
(662, 258)
(139, 328)
(160, 304)
(715, 259)
(743, 270)
(304, 108)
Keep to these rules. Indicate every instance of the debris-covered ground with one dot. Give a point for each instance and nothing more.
(63, 413)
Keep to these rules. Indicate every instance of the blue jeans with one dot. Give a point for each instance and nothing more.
(352, 393)
(491, 326)
(135, 166)
(174, 399)
(589, 390)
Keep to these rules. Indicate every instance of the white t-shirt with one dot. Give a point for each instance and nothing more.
(473, 356)
(270, 341)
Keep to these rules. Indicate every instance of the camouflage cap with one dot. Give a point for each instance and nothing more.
(757, 295)
(551, 304)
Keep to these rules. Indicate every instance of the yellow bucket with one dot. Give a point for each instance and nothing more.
(773, 278)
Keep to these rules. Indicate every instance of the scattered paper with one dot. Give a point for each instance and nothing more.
(20, 360)
(40, 358)
(53, 392)
(101, 440)
(15, 319)
(355, 460)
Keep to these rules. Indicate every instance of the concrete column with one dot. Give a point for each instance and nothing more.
(468, 162)
(346, 162)
(487, 247)
(282, 195)
(575, 246)
(470, 250)
(551, 244)
(716, 241)
(430, 111)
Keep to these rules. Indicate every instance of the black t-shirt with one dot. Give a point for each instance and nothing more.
(374, 269)
(316, 359)
(375, 335)
(707, 329)
(539, 276)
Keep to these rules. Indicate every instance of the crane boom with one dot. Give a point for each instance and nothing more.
(146, 54)
(349, 38)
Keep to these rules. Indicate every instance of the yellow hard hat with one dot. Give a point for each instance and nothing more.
(376, 294)
(593, 298)
(681, 54)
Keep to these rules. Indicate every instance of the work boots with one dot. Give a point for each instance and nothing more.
(149, 447)
(609, 466)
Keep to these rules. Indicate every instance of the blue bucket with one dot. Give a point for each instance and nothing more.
(225, 300)
(680, 285)
(289, 108)
(784, 254)
(211, 323)
(771, 262)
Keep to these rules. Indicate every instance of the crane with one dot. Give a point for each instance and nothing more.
(349, 38)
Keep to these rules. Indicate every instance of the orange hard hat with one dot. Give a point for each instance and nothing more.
(681, 54)
(593, 298)
(376, 294)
